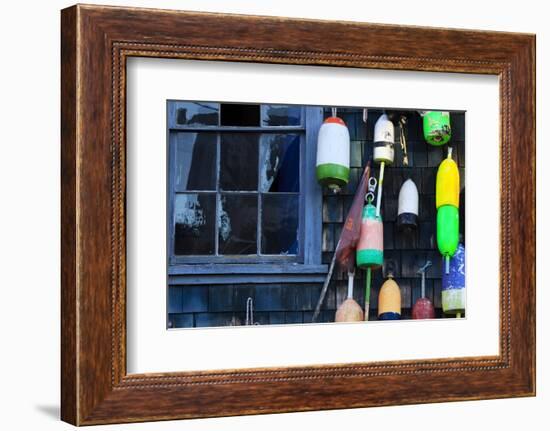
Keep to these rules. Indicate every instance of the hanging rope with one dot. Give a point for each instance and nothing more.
(403, 139)
(249, 319)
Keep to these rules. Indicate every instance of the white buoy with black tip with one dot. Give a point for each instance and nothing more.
(383, 151)
(407, 206)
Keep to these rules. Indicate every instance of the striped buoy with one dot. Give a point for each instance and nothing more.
(389, 301)
(453, 284)
(447, 190)
(333, 153)
(437, 127)
(407, 207)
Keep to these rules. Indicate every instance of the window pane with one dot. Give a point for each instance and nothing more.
(239, 161)
(194, 217)
(197, 113)
(238, 114)
(281, 115)
(280, 224)
(195, 161)
(280, 163)
(238, 224)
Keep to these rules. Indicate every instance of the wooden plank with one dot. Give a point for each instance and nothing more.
(69, 282)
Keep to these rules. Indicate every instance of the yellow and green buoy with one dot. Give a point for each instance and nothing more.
(447, 192)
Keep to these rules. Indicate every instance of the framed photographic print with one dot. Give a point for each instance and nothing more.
(255, 205)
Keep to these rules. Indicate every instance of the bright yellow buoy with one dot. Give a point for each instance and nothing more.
(447, 187)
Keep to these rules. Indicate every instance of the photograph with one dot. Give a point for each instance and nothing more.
(297, 214)
(282, 209)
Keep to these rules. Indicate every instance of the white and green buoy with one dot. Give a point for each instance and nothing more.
(333, 154)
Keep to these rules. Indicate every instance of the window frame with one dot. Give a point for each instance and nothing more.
(306, 266)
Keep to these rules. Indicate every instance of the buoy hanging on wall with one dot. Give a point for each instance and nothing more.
(383, 152)
(423, 307)
(447, 191)
(437, 127)
(333, 153)
(407, 207)
(370, 248)
(389, 301)
(349, 310)
(453, 284)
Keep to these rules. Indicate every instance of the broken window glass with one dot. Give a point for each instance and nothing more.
(281, 115)
(280, 163)
(195, 164)
(239, 161)
(197, 113)
(238, 223)
(239, 114)
(194, 218)
(280, 223)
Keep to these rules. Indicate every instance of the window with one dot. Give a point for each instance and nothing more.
(243, 198)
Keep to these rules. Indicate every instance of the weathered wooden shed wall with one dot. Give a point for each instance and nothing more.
(220, 305)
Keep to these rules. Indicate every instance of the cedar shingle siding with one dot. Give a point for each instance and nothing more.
(220, 305)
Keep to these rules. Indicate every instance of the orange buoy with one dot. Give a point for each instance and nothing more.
(389, 301)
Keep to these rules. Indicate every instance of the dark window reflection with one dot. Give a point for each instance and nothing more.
(280, 163)
(239, 161)
(195, 161)
(197, 113)
(279, 224)
(194, 218)
(238, 114)
(238, 223)
(281, 115)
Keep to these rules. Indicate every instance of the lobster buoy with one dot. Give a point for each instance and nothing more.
(383, 140)
(447, 190)
(349, 311)
(437, 127)
(453, 284)
(389, 301)
(383, 151)
(407, 207)
(370, 247)
(333, 153)
(423, 307)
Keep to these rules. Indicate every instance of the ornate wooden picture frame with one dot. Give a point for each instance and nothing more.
(96, 41)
